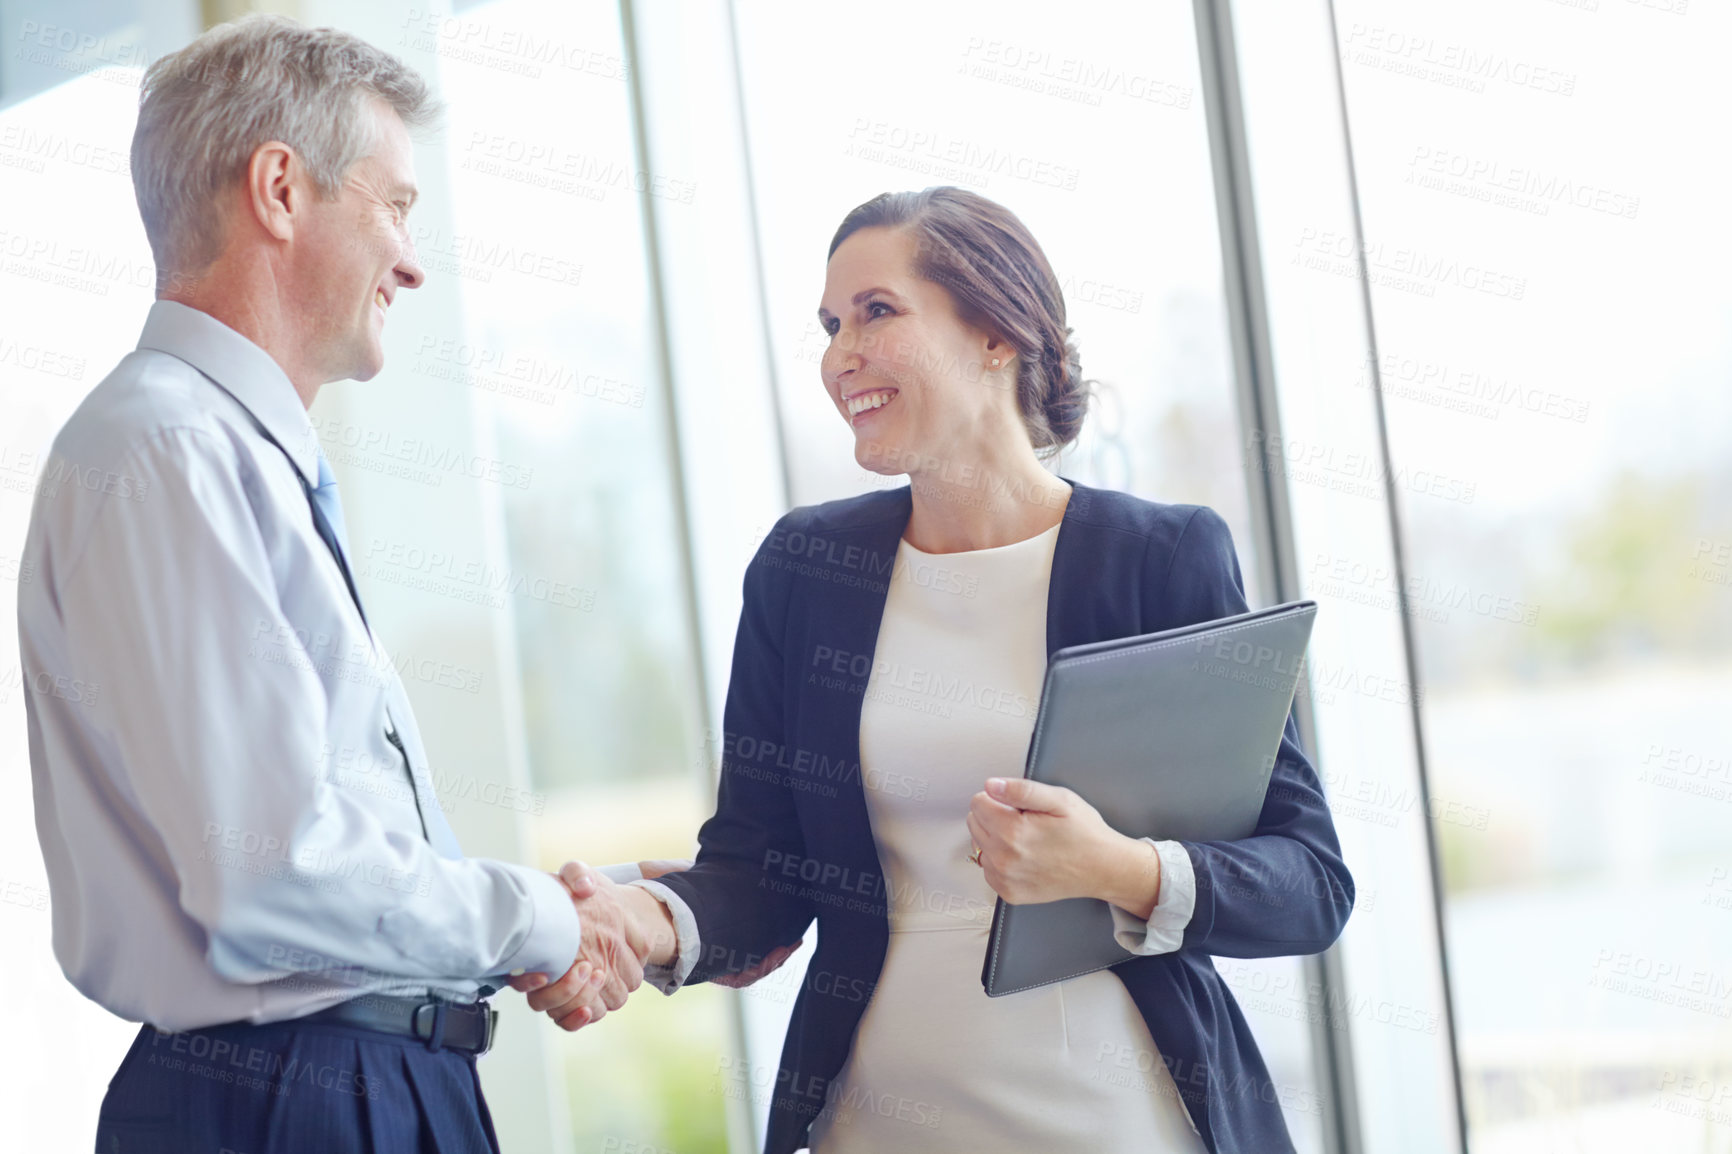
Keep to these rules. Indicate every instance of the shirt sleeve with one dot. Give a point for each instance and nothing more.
(1164, 930)
(225, 746)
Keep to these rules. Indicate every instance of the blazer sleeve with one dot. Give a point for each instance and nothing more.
(1285, 889)
(742, 904)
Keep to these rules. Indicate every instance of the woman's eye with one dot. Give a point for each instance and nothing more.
(874, 306)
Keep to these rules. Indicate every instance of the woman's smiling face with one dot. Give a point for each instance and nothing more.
(902, 368)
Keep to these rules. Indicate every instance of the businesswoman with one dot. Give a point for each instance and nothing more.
(885, 680)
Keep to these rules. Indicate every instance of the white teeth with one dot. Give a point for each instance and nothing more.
(866, 401)
(380, 299)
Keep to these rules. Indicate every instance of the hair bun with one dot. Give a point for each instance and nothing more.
(1067, 397)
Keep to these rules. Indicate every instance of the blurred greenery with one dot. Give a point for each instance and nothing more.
(1627, 585)
(1629, 574)
(648, 1075)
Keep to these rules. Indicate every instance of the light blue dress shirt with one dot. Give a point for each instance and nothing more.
(229, 831)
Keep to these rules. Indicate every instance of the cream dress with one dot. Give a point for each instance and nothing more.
(936, 1065)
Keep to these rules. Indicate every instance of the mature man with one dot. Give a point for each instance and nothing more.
(307, 949)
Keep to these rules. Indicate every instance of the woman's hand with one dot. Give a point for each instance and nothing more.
(1043, 843)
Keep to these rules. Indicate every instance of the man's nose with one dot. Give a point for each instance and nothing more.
(408, 270)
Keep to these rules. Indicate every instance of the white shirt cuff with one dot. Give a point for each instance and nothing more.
(1164, 932)
(555, 933)
(687, 950)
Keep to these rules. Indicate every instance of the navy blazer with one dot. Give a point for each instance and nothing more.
(791, 840)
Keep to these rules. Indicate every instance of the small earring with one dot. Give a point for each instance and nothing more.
(995, 362)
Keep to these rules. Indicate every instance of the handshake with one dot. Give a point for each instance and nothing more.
(625, 928)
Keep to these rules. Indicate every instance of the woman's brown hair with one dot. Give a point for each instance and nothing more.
(999, 278)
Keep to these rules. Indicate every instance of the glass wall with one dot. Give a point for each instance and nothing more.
(556, 353)
(1547, 231)
(75, 281)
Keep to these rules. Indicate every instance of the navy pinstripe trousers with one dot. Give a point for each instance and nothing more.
(292, 1088)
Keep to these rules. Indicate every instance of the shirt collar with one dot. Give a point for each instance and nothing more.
(243, 369)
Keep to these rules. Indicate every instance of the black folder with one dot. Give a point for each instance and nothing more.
(1169, 735)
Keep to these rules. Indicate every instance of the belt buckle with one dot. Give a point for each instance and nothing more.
(430, 1018)
(488, 1029)
(428, 1024)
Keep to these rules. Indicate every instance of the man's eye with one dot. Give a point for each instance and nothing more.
(832, 326)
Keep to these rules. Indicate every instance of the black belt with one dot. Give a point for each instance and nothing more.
(466, 1028)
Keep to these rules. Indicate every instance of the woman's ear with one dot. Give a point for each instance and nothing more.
(998, 353)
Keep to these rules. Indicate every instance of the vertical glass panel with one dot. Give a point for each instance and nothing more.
(1557, 339)
(76, 280)
(1392, 1011)
(1088, 123)
(559, 345)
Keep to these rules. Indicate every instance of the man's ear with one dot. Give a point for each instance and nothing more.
(273, 190)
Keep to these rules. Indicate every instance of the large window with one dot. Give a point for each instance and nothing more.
(75, 281)
(1557, 341)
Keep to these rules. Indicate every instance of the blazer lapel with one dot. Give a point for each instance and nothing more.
(841, 639)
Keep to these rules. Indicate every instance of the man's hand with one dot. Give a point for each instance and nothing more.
(772, 961)
(609, 964)
(1041, 843)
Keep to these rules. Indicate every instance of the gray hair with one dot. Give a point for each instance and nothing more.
(204, 111)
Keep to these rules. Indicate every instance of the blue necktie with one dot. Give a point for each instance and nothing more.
(325, 497)
(329, 509)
